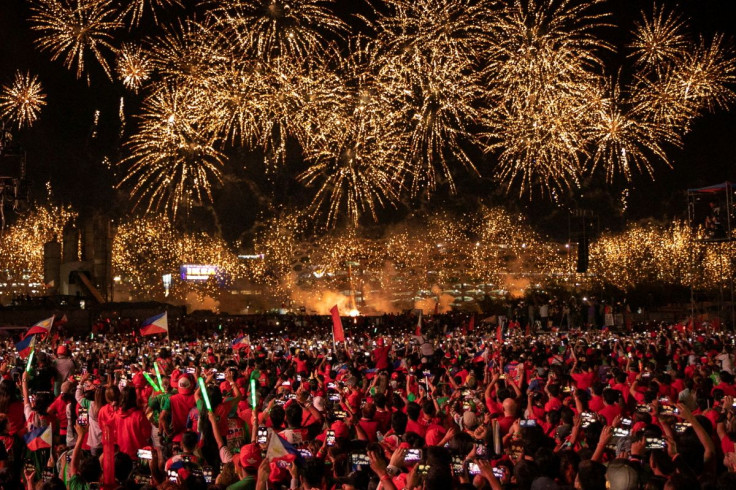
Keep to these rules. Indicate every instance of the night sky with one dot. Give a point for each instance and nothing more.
(63, 147)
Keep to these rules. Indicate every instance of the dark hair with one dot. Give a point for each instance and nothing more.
(398, 422)
(90, 469)
(128, 399)
(591, 475)
(313, 472)
(294, 415)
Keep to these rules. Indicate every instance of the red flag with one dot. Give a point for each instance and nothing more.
(338, 334)
(418, 331)
(471, 325)
(499, 334)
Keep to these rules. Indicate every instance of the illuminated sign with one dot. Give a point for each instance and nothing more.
(198, 272)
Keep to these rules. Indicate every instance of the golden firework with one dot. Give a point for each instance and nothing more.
(137, 8)
(173, 163)
(272, 29)
(133, 66)
(76, 29)
(21, 101)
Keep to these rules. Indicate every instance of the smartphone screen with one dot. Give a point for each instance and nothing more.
(413, 455)
(262, 435)
(144, 454)
(330, 438)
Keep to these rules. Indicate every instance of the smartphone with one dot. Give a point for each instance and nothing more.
(359, 461)
(207, 474)
(334, 397)
(499, 472)
(588, 418)
(481, 450)
(340, 414)
(413, 455)
(145, 454)
(262, 436)
(173, 475)
(458, 465)
(655, 443)
(473, 468)
(642, 408)
(83, 418)
(330, 438)
(528, 423)
(626, 422)
(220, 377)
(331, 386)
(423, 469)
(681, 427)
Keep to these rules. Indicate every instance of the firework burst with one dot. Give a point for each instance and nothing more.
(542, 76)
(76, 29)
(133, 66)
(271, 29)
(660, 38)
(137, 9)
(173, 163)
(354, 161)
(21, 101)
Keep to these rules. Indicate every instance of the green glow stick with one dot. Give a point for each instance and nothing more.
(205, 395)
(150, 382)
(30, 361)
(158, 376)
(253, 393)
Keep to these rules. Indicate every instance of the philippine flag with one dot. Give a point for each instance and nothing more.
(42, 327)
(280, 449)
(241, 342)
(25, 346)
(156, 324)
(39, 438)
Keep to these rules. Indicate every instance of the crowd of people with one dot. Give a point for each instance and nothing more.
(456, 406)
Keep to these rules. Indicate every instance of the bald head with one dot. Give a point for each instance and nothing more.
(509, 407)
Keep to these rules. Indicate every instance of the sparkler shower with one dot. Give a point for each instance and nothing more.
(392, 106)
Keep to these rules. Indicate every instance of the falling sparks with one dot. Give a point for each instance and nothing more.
(76, 29)
(429, 90)
(172, 165)
(21, 101)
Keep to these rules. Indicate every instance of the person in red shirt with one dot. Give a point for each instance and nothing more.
(180, 404)
(368, 423)
(612, 408)
(132, 429)
(584, 377)
(380, 355)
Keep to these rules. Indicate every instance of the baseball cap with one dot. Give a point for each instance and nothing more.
(249, 457)
(184, 383)
(622, 476)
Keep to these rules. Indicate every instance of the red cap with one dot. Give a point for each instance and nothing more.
(341, 429)
(249, 457)
(61, 350)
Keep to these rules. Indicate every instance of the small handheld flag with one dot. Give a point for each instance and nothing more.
(418, 331)
(25, 346)
(156, 324)
(42, 327)
(38, 438)
(205, 395)
(253, 393)
(158, 376)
